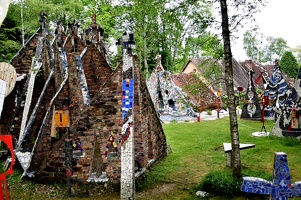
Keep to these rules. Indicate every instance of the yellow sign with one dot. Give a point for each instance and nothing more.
(62, 118)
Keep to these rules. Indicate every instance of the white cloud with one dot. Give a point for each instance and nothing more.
(277, 19)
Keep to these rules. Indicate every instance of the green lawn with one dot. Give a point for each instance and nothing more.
(196, 150)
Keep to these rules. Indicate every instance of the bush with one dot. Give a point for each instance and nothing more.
(221, 183)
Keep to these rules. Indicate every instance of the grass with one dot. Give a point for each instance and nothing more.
(197, 149)
(196, 152)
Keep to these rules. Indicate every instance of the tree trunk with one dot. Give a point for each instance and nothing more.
(235, 155)
(22, 21)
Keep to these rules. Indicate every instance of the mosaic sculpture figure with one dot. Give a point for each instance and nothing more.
(251, 109)
(276, 90)
(288, 122)
(281, 188)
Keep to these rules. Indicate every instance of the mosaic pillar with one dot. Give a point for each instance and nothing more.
(82, 79)
(127, 180)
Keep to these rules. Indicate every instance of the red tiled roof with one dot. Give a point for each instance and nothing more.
(208, 98)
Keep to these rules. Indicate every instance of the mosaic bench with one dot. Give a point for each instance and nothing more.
(228, 149)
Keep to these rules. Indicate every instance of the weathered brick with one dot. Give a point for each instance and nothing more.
(103, 116)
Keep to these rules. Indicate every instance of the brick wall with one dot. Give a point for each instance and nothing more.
(93, 124)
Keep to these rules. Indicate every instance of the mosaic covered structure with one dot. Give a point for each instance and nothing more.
(276, 91)
(251, 108)
(288, 121)
(168, 98)
(281, 188)
(65, 114)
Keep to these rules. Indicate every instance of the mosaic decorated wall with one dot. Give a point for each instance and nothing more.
(86, 91)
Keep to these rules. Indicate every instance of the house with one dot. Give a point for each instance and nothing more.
(206, 67)
(200, 66)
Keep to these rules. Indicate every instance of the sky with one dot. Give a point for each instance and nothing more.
(278, 19)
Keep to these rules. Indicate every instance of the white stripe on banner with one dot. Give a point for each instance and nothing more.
(2, 94)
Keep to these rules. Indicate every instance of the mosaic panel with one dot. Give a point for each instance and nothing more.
(82, 80)
(36, 65)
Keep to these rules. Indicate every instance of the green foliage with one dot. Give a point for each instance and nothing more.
(289, 64)
(10, 36)
(250, 45)
(196, 87)
(206, 45)
(275, 48)
(212, 71)
(221, 183)
(297, 53)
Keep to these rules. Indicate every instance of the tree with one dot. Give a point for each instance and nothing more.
(242, 10)
(235, 155)
(10, 40)
(206, 45)
(289, 64)
(250, 45)
(274, 49)
(297, 53)
(160, 26)
(23, 17)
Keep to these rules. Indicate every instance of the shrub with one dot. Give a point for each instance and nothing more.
(221, 183)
